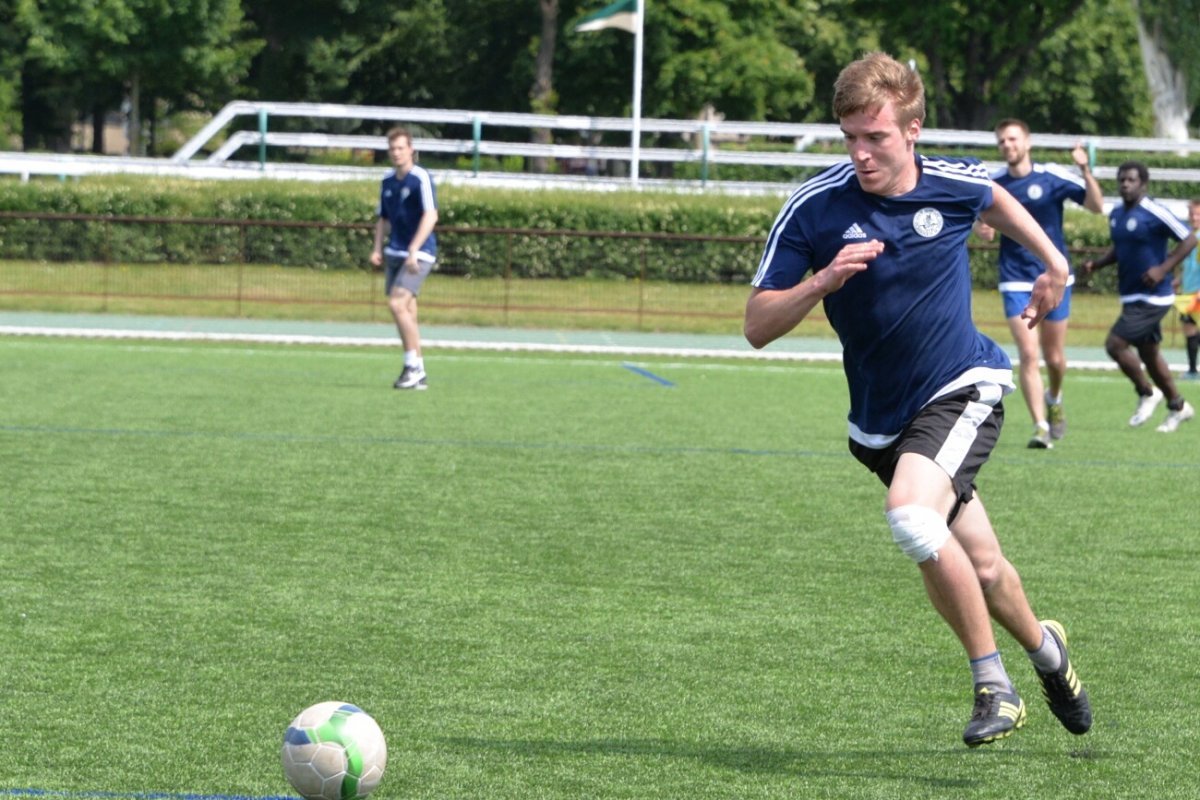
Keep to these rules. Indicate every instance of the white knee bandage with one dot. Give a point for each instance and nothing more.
(919, 531)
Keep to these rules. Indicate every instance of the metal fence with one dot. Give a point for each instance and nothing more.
(519, 277)
(320, 270)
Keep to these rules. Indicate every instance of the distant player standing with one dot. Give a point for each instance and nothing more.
(408, 205)
(1042, 189)
(885, 239)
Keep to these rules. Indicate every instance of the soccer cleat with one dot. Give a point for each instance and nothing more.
(1146, 406)
(1190, 375)
(411, 378)
(996, 715)
(1176, 418)
(1058, 419)
(1040, 439)
(1063, 692)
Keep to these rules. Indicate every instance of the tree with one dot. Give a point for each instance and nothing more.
(1086, 78)
(188, 54)
(542, 98)
(974, 53)
(81, 58)
(742, 57)
(1166, 32)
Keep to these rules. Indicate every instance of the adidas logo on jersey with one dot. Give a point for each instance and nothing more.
(854, 232)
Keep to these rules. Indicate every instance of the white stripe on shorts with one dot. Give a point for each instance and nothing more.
(962, 435)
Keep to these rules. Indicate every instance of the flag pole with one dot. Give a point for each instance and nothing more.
(637, 92)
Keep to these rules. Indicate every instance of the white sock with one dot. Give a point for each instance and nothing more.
(1052, 400)
(989, 671)
(411, 358)
(1047, 657)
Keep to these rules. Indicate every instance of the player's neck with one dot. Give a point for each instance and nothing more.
(1021, 168)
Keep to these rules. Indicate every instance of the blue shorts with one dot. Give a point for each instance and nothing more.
(1016, 302)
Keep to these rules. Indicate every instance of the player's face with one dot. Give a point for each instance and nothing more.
(1194, 217)
(1013, 143)
(1131, 186)
(401, 151)
(881, 150)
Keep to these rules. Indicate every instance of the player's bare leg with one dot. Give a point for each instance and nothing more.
(999, 580)
(1054, 353)
(1045, 642)
(954, 589)
(1030, 376)
(403, 305)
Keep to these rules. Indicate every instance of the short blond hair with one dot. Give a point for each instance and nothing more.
(875, 79)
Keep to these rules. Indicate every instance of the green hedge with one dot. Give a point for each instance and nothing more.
(352, 206)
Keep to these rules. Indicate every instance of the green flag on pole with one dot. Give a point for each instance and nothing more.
(622, 14)
(627, 15)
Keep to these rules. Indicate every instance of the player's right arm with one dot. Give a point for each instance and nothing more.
(771, 313)
(377, 251)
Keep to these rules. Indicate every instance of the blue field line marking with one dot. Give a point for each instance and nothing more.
(85, 795)
(645, 373)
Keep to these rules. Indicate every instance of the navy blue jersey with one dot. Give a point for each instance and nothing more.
(402, 201)
(905, 322)
(1139, 236)
(1042, 192)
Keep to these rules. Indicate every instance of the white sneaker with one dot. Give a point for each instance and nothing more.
(1176, 418)
(411, 378)
(1146, 406)
(1040, 439)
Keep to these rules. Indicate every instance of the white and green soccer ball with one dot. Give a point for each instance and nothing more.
(333, 751)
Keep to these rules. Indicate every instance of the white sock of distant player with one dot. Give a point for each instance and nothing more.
(412, 359)
(1048, 657)
(989, 671)
(1053, 400)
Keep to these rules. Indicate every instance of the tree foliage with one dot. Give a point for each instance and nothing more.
(1064, 65)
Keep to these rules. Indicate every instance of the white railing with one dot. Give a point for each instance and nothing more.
(701, 137)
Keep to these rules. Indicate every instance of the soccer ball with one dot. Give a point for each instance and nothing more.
(333, 751)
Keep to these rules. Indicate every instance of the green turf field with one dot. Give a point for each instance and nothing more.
(552, 577)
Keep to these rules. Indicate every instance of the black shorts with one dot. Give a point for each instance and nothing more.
(1140, 323)
(957, 432)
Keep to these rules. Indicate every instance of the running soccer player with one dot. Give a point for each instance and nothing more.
(1140, 229)
(884, 238)
(408, 205)
(1042, 189)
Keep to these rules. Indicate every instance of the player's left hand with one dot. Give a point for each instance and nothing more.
(1079, 155)
(411, 264)
(1044, 298)
(1154, 275)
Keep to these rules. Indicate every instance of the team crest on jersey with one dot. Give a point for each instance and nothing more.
(1035, 192)
(928, 222)
(1131, 224)
(404, 193)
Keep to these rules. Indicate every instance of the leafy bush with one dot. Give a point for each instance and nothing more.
(552, 234)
